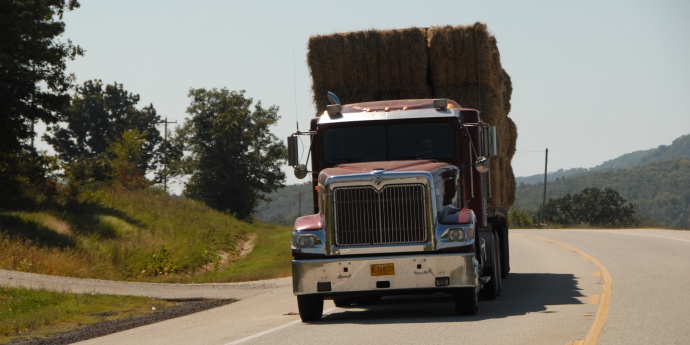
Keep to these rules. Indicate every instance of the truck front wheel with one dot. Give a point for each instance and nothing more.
(467, 301)
(492, 289)
(310, 307)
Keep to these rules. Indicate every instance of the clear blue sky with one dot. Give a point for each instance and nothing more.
(592, 79)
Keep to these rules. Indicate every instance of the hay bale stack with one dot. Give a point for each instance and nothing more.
(463, 55)
(369, 65)
(456, 62)
(465, 65)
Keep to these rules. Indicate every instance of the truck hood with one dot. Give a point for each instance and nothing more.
(370, 167)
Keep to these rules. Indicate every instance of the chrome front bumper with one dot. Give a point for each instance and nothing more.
(339, 275)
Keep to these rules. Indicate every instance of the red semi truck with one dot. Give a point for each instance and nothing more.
(400, 194)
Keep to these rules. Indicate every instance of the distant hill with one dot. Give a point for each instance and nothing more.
(659, 190)
(679, 149)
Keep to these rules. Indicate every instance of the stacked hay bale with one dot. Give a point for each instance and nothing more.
(461, 63)
(369, 65)
(465, 65)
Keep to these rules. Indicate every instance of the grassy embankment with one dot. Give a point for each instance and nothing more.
(36, 313)
(125, 235)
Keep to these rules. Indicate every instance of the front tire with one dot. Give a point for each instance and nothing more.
(310, 307)
(492, 289)
(467, 301)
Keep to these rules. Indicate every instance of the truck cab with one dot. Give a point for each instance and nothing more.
(400, 193)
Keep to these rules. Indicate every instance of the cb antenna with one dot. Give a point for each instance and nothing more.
(294, 85)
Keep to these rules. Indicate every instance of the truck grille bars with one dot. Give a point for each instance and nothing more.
(394, 215)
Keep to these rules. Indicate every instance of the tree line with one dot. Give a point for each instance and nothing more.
(102, 136)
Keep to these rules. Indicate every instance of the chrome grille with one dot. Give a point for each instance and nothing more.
(394, 215)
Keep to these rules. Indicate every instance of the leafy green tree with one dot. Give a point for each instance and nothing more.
(126, 153)
(592, 207)
(98, 117)
(33, 81)
(235, 160)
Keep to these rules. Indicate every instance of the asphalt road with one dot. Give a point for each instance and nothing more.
(565, 287)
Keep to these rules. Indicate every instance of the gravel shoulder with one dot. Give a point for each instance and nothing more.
(235, 291)
(193, 297)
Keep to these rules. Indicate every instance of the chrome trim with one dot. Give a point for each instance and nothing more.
(383, 249)
(367, 215)
(332, 183)
(391, 115)
(411, 272)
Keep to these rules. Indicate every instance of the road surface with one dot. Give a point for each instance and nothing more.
(565, 287)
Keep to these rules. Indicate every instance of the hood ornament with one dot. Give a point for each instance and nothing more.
(377, 181)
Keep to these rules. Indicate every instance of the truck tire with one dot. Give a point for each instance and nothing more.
(505, 252)
(467, 301)
(492, 289)
(342, 302)
(310, 307)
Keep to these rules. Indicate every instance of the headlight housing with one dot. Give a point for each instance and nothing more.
(458, 234)
(305, 240)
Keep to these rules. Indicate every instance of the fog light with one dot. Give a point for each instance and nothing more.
(442, 281)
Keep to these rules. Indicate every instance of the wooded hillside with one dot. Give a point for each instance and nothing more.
(660, 191)
(679, 149)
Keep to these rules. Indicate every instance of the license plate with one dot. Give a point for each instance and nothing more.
(382, 270)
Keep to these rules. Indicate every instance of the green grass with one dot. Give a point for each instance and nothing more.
(145, 235)
(36, 313)
(118, 234)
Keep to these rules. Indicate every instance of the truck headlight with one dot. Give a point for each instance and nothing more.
(305, 241)
(459, 234)
(456, 234)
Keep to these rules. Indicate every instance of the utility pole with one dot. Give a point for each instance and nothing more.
(165, 153)
(543, 202)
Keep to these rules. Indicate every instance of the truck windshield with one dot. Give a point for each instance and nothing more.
(388, 142)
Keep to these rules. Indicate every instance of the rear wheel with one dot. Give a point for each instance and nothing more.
(467, 301)
(310, 307)
(505, 252)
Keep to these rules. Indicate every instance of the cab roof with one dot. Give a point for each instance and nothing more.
(391, 109)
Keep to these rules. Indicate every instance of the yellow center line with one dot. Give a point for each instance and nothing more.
(605, 300)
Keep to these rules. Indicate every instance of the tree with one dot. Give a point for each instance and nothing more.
(592, 207)
(235, 160)
(98, 117)
(33, 82)
(126, 153)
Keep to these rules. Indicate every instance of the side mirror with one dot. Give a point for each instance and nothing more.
(293, 154)
(482, 165)
(300, 171)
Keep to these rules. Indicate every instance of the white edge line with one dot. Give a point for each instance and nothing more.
(269, 331)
